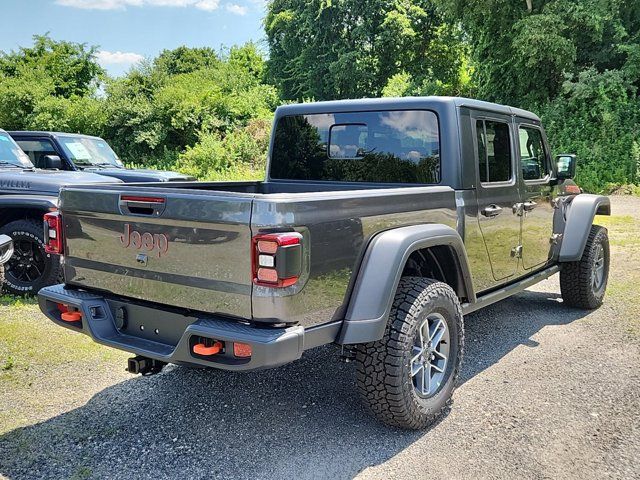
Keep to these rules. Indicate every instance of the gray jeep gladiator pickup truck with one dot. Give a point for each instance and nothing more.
(379, 225)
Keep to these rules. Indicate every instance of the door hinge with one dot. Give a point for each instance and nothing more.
(518, 209)
(555, 238)
(516, 252)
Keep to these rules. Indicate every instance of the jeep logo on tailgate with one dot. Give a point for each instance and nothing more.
(156, 242)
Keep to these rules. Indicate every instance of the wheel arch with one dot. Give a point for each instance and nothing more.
(418, 250)
(578, 220)
(17, 207)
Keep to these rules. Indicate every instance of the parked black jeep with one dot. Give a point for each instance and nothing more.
(26, 194)
(75, 152)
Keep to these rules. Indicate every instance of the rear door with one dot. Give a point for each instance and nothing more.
(497, 192)
(537, 206)
(187, 249)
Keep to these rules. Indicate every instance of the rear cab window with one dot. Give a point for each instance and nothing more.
(400, 146)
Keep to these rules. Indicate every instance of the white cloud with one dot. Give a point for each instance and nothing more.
(106, 58)
(236, 9)
(207, 5)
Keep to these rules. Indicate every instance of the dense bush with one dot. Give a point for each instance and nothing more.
(191, 109)
(597, 116)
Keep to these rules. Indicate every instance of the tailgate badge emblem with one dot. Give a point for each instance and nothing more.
(141, 258)
(156, 242)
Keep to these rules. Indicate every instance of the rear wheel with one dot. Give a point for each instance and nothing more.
(407, 378)
(30, 268)
(583, 283)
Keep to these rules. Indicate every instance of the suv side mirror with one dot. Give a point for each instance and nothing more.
(566, 166)
(52, 162)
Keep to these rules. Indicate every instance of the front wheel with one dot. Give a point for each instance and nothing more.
(583, 283)
(30, 268)
(407, 378)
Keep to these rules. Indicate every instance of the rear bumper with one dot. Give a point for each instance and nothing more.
(169, 336)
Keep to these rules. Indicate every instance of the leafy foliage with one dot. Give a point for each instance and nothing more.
(328, 49)
(209, 112)
(190, 108)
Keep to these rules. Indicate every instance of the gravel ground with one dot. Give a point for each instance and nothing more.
(546, 391)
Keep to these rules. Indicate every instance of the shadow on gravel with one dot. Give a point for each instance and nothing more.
(302, 420)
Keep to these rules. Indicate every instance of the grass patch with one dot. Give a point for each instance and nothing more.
(29, 342)
(624, 277)
(7, 300)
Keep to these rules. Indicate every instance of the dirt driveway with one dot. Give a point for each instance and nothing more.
(546, 392)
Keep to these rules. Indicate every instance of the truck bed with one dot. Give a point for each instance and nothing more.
(195, 244)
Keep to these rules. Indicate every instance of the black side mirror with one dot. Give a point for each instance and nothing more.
(566, 165)
(52, 162)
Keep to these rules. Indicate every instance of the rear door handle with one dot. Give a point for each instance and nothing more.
(491, 211)
(528, 206)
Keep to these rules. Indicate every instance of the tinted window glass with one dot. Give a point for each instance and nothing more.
(533, 157)
(89, 151)
(494, 145)
(36, 150)
(10, 153)
(381, 147)
(482, 152)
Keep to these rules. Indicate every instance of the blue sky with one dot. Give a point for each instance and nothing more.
(128, 30)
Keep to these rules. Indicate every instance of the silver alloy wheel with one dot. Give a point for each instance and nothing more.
(429, 355)
(597, 272)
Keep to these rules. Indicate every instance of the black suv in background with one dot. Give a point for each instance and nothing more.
(74, 152)
(26, 194)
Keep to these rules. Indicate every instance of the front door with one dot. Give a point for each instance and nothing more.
(537, 207)
(498, 194)
(37, 148)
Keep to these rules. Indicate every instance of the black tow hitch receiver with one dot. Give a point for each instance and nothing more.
(144, 366)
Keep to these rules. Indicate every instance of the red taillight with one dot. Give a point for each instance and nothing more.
(53, 233)
(277, 259)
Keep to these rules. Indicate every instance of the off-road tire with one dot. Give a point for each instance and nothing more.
(576, 281)
(383, 367)
(30, 230)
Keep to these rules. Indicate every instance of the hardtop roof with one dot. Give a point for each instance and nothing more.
(401, 103)
(42, 133)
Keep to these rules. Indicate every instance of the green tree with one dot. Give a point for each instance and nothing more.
(521, 50)
(185, 60)
(327, 49)
(71, 67)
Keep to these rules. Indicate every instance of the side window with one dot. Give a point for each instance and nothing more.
(36, 150)
(533, 157)
(494, 151)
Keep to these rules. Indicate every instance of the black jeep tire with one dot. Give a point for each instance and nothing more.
(584, 283)
(385, 367)
(30, 268)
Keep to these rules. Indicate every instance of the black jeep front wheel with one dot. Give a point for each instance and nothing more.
(584, 283)
(30, 268)
(407, 378)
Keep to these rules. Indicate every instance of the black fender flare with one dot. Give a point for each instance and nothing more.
(380, 272)
(578, 220)
(41, 202)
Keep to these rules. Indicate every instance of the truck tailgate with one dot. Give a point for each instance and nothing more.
(161, 246)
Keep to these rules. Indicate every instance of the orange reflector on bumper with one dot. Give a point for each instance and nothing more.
(241, 350)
